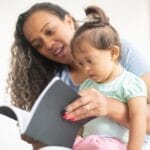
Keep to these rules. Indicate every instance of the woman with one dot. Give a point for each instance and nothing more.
(42, 50)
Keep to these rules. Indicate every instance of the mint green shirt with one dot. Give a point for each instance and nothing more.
(123, 88)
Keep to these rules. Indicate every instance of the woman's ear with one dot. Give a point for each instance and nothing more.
(115, 52)
(69, 21)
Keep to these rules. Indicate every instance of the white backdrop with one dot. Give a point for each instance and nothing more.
(130, 17)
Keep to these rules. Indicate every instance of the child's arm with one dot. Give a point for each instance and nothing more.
(137, 114)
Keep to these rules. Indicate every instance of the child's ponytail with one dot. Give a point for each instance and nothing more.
(96, 17)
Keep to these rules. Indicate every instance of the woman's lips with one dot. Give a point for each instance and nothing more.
(59, 52)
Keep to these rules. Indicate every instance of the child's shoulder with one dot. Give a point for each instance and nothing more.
(87, 84)
(132, 77)
(133, 85)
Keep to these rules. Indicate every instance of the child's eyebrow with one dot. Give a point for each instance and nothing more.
(90, 57)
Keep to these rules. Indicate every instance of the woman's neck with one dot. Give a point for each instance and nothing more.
(74, 66)
(77, 73)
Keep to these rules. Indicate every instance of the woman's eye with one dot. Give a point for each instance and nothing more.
(37, 45)
(49, 31)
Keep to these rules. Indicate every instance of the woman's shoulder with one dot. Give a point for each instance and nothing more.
(64, 74)
(133, 59)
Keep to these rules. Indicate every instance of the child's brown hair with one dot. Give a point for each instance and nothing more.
(97, 31)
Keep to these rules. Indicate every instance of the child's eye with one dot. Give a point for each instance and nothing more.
(89, 61)
(81, 64)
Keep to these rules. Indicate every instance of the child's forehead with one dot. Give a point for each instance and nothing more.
(85, 53)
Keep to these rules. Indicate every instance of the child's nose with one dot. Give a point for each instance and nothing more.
(87, 68)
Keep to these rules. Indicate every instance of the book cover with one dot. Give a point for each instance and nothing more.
(44, 122)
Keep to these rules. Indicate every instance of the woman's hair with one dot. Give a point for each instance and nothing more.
(30, 72)
(96, 30)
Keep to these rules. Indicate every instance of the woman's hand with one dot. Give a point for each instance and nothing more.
(35, 144)
(92, 103)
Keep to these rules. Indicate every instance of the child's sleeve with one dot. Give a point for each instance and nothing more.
(134, 88)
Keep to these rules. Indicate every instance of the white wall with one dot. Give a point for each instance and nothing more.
(130, 17)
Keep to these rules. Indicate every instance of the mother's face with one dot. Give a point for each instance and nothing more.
(50, 36)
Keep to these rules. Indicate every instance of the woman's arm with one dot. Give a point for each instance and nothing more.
(35, 144)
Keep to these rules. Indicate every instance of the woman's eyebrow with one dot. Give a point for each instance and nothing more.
(44, 26)
(33, 40)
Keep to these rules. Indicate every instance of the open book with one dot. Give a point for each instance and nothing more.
(44, 122)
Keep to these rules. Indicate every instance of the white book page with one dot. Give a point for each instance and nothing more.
(23, 118)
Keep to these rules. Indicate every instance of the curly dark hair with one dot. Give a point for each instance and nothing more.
(30, 72)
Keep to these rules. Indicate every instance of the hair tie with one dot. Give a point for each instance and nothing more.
(93, 17)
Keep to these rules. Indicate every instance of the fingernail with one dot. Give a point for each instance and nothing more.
(73, 119)
(67, 117)
(63, 112)
(66, 109)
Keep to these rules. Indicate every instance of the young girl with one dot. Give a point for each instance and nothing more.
(96, 47)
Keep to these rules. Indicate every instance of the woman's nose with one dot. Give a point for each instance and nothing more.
(49, 44)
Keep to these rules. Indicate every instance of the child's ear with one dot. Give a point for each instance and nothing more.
(115, 52)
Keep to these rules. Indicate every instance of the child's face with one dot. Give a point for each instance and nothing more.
(99, 64)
